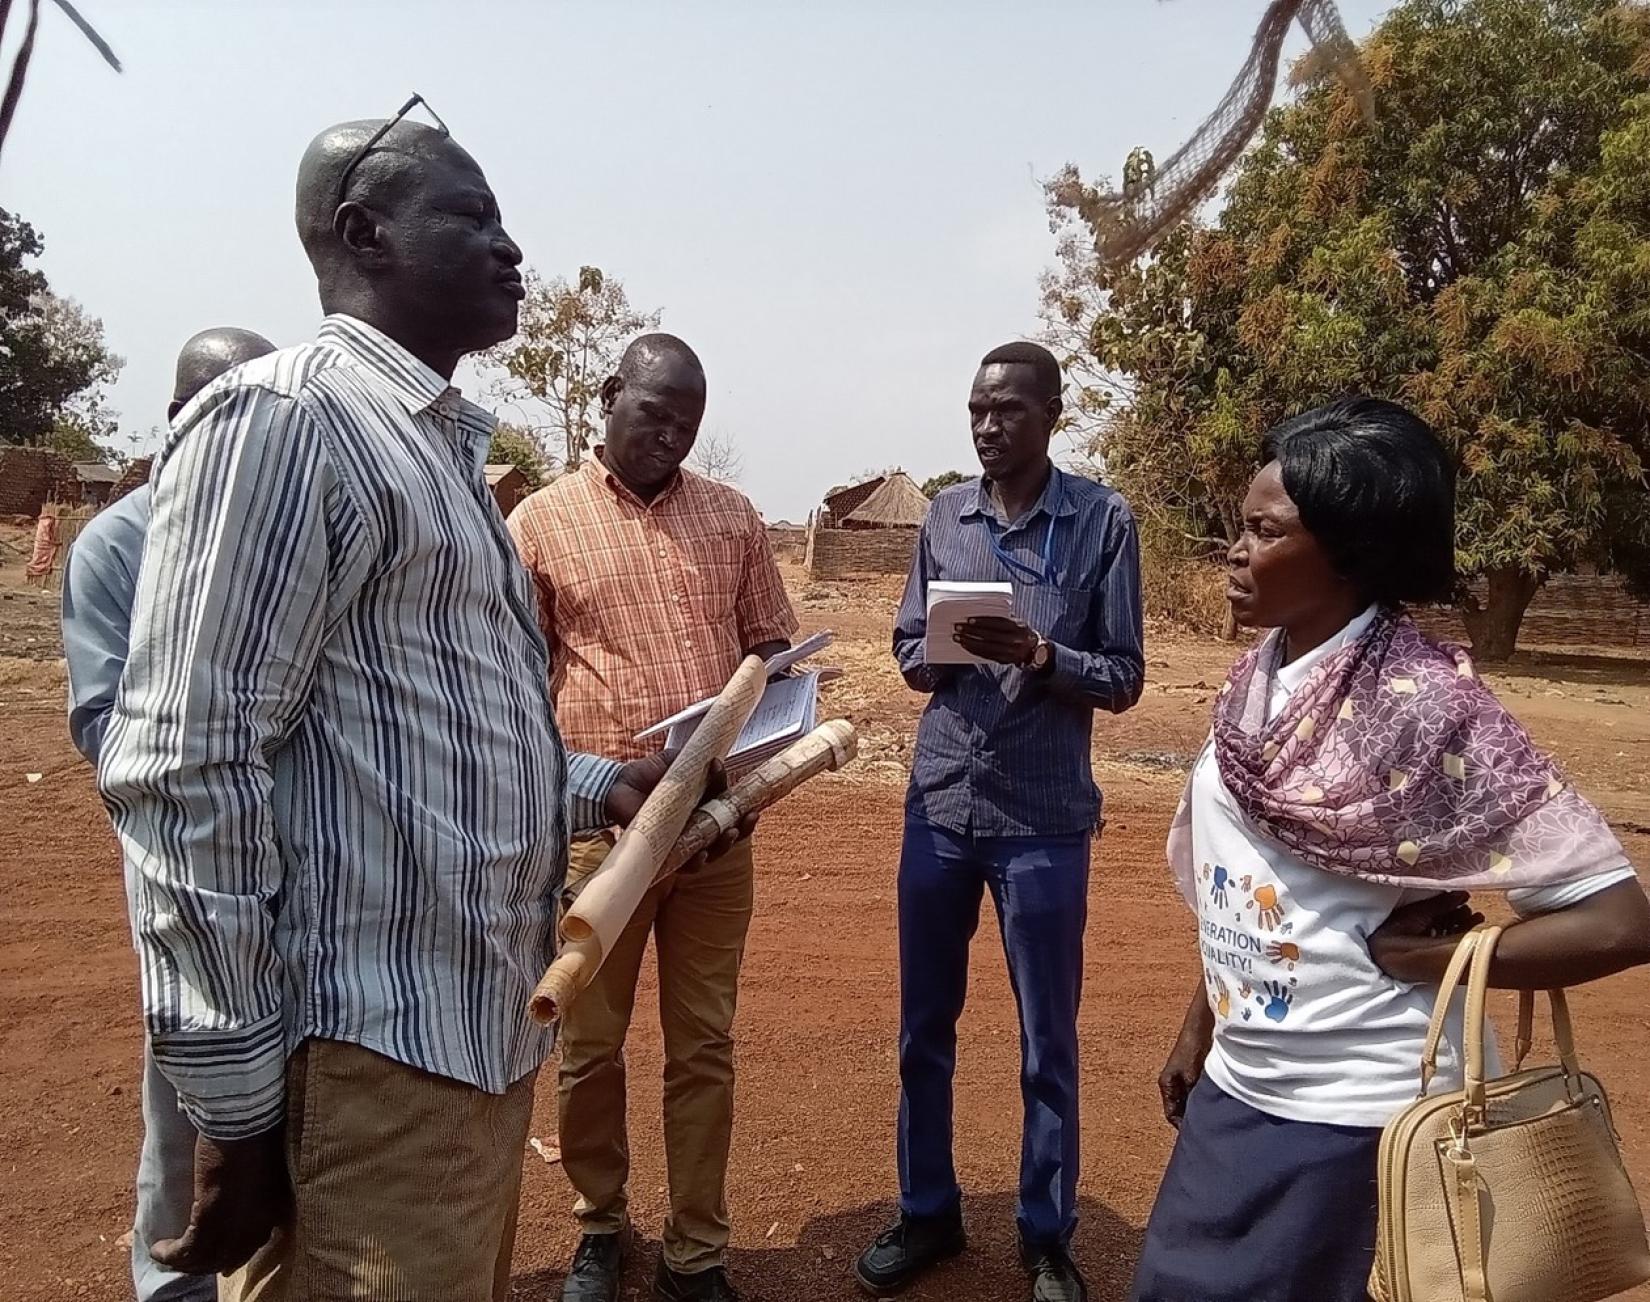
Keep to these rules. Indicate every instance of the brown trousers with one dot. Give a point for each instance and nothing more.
(405, 1185)
(698, 921)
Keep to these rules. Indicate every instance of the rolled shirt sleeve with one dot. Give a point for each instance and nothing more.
(589, 780)
(251, 538)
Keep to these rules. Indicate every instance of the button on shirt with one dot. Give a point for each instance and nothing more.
(1002, 751)
(648, 607)
(333, 767)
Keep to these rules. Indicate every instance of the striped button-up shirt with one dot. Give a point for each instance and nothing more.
(1002, 751)
(334, 768)
(648, 607)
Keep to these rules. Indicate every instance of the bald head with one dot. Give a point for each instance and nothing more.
(653, 406)
(208, 355)
(380, 179)
(648, 352)
(408, 239)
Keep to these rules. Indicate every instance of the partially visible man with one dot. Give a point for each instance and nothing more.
(99, 583)
(100, 576)
(653, 584)
(1002, 798)
(335, 770)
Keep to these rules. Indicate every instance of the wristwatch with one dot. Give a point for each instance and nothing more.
(1042, 656)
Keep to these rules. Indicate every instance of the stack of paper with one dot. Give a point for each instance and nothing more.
(786, 713)
(949, 605)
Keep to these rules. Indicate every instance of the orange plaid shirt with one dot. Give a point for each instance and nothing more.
(647, 607)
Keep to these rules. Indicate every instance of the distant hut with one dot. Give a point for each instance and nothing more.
(97, 481)
(509, 485)
(842, 500)
(896, 502)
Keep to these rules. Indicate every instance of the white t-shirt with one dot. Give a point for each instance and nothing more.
(1307, 1027)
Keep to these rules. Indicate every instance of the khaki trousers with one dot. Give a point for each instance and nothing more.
(699, 921)
(405, 1185)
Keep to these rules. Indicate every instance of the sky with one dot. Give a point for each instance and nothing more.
(836, 202)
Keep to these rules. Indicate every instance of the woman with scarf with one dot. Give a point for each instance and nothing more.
(1358, 783)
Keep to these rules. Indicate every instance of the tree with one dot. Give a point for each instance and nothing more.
(516, 446)
(716, 456)
(53, 358)
(569, 340)
(1481, 252)
(944, 479)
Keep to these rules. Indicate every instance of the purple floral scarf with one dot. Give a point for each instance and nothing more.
(1395, 763)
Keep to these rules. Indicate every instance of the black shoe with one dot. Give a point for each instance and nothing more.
(703, 1286)
(907, 1248)
(1054, 1275)
(597, 1265)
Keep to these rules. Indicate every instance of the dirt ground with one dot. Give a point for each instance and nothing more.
(813, 1166)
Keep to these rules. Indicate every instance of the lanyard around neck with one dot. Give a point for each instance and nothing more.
(1045, 572)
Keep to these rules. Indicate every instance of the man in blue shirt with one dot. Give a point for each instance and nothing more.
(99, 582)
(1002, 797)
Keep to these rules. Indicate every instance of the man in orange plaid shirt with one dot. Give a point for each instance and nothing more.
(653, 584)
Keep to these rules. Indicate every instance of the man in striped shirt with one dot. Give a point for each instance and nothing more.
(1003, 798)
(335, 770)
(653, 584)
(99, 584)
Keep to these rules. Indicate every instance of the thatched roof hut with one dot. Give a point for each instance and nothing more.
(897, 501)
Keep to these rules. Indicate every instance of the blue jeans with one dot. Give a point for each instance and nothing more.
(165, 1193)
(1039, 885)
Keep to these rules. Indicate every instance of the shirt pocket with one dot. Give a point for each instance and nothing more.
(712, 569)
(1059, 614)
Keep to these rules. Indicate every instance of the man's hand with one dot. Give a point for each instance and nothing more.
(241, 1194)
(998, 639)
(1414, 944)
(636, 782)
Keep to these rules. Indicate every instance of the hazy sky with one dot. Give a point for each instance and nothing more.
(834, 202)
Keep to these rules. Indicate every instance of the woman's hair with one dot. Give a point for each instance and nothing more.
(1376, 487)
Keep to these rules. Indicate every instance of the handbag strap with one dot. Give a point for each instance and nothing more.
(1440, 1008)
(1478, 984)
(1469, 1223)
(1563, 1031)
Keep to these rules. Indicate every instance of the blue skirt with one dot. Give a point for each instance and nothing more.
(1254, 1208)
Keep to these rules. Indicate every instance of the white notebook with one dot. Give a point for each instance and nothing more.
(949, 604)
(787, 712)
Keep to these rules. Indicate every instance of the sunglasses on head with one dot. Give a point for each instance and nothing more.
(376, 136)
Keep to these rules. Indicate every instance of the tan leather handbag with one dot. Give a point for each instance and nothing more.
(1509, 1190)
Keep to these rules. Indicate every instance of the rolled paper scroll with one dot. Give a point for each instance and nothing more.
(827, 747)
(611, 895)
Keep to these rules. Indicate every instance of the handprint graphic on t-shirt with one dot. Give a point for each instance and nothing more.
(1284, 951)
(1275, 999)
(1268, 911)
(1222, 996)
(1217, 889)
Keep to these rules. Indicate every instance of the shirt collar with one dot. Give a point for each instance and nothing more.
(1293, 674)
(1054, 499)
(599, 473)
(414, 383)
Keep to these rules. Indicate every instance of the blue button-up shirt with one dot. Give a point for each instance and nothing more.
(1002, 751)
(99, 580)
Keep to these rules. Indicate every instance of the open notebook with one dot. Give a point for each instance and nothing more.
(787, 711)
